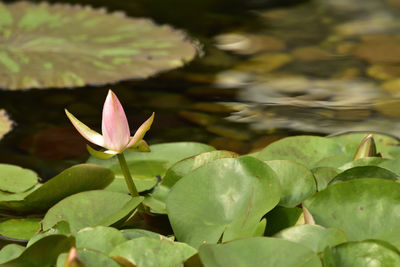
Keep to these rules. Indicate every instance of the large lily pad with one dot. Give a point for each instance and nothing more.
(5, 123)
(258, 251)
(21, 228)
(44, 46)
(224, 199)
(15, 179)
(358, 207)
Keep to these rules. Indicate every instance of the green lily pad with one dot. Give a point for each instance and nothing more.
(176, 172)
(5, 123)
(315, 237)
(78, 178)
(100, 238)
(358, 207)
(323, 175)
(15, 179)
(372, 161)
(89, 258)
(10, 252)
(90, 208)
(307, 150)
(66, 46)
(368, 253)
(351, 141)
(334, 161)
(297, 181)
(153, 164)
(280, 218)
(225, 199)
(5, 196)
(392, 165)
(364, 172)
(146, 251)
(42, 253)
(136, 233)
(61, 228)
(258, 251)
(22, 229)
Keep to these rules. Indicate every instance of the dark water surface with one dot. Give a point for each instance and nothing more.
(269, 69)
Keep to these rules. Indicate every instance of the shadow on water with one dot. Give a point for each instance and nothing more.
(270, 69)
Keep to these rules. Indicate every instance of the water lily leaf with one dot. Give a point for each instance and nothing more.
(224, 199)
(296, 180)
(66, 46)
(258, 251)
(146, 251)
(90, 208)
(362, 162)
(5, 123)
(315, 237)
(42, 253)
(148, 167)
(136, 233)
(176, 172)
(89, 258)
(363, 254)
(78, 178)
(364, 172)
(334, 161)
(100, 238)
(10, 252)
(323, 175)
(351, 141)
(357, 207)
(61, 228)
(15, 179)
(307, 150)
(392, 165)
(5, 196)
(23, 228)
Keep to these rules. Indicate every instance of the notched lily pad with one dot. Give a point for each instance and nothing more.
(43, 45)
(5, 123)
(15, 179)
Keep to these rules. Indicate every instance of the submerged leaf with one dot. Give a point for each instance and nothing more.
(44, 46)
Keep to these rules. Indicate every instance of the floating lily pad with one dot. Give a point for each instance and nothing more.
(78, 178)
(146, 251)
(369, 253)
(258, 251)
(307, 150)
(16, 179)
(225, 199)
(358, 207)
(136, 233)
(91, 208)
(315, 237)
(5, 123)
(364, 172)
(100, 238)
(22, 229)
(297, 181)
(45, 45)
(10, 252)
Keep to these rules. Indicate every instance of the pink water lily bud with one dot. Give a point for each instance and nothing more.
(115, 135)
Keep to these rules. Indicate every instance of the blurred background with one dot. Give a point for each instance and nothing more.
(266, 69)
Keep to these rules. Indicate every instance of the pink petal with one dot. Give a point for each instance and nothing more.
(115, 126)
(141, 131)
(85, 131)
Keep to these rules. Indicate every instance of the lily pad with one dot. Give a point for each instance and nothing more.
(10, 252)
(258, 251)
(22, 229)
(357, 207)
(225, 199)
(368, 253)
(5, 123)
(15, 179)
(364, 172)
(297, 181)
(136, 233)
(45, 46)
(78, 178)
(90, 208)
(315, 237)
(146, 251)
(100, 238)
(176, 172)
(323, 175)
(307, 150)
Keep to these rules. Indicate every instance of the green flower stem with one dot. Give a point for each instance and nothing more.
(127, 175)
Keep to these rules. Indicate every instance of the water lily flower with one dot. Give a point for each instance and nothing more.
(115, 130)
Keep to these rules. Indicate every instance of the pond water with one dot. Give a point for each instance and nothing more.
(269, 69)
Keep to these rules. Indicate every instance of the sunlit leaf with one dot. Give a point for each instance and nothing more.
(21, 228)
(45, 45)
(16, 179)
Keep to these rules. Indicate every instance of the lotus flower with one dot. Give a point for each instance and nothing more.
(115, 130)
